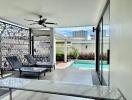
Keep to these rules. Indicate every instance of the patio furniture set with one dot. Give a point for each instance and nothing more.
(50, 86)
(33, 68)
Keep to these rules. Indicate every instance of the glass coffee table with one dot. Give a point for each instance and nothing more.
(62, 88)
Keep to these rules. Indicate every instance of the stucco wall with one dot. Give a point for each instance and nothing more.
(121, 45)
(85, 48)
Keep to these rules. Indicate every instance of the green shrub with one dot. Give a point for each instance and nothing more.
(59, 56)
(87, 56)
(73, 54)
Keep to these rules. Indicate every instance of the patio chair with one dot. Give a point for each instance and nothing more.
(16, 65)
(33, 62)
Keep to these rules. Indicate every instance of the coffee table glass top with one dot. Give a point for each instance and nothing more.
(62, 88)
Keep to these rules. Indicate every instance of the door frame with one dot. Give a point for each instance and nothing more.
(98, 41)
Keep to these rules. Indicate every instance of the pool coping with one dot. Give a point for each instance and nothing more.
(72, 61)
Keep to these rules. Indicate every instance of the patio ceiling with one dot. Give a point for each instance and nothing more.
(64, 12)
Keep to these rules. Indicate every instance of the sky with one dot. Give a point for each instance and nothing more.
(68, 31)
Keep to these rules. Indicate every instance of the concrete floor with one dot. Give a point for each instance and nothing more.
(74, 75)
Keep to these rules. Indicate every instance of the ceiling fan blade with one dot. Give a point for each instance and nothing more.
(50, 23)
(30, 20)
(32, 23)
(44, 25)
(44, 19)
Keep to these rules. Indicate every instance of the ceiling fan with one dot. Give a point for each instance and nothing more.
(42, 21)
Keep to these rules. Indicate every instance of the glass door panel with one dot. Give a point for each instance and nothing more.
(103, 48)
(106, 45)
(100, 51)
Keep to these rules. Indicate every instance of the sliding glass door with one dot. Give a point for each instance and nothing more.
(103, 47)
(101, 50)
(106, 46)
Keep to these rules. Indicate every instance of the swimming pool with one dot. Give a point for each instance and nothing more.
(86, 64)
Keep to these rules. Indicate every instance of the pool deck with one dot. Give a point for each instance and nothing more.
(68, 74)
(62, 73)
(63, 65)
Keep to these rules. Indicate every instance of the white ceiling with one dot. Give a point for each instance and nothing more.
(64, 12)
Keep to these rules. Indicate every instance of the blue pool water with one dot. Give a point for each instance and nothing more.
(86, 64)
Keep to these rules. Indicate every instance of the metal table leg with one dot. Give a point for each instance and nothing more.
(1, 72)
(44, 73)
(10, 91)
(38, 75)
(54, 67)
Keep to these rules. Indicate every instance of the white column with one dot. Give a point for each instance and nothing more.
(65, 51)
(53, 47)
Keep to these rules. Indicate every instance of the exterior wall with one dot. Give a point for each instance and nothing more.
(121, 46)
(82, 47)
(60, 47)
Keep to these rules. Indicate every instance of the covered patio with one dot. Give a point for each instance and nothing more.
(29, 42)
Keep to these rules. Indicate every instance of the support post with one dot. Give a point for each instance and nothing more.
(30, 41)
(97, 49)
(53, 47)
(65, 51)
(33, 46)
(10, 91)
